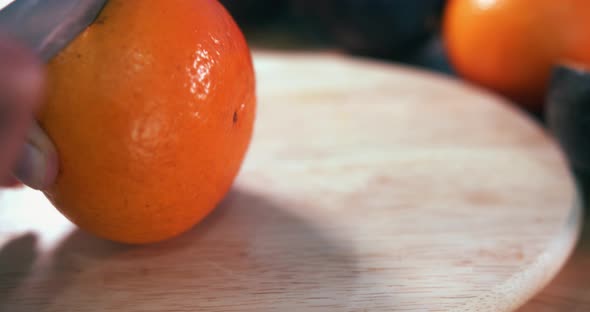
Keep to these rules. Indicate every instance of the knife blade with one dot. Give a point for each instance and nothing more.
(47, 26)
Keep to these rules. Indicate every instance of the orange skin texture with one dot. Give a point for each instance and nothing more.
(510, 46)
(152, 111)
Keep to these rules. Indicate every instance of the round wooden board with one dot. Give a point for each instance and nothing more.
(367, 187)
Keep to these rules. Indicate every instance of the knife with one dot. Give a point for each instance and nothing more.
(47, 26)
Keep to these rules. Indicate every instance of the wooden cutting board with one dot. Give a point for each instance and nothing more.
(368, 187)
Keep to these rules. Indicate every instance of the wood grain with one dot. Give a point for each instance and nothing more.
(367, 188)
(570, 289)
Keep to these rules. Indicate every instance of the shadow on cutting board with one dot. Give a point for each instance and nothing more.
(248, 255)
(16, 261)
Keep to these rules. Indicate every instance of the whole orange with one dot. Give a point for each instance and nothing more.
(152, 111)
(510, 46)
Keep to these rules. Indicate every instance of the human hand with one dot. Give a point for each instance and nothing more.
(26, 153)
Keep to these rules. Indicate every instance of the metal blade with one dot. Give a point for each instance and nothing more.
(47, 26)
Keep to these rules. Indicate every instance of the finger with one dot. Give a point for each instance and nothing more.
(21, 83)
(37, 165)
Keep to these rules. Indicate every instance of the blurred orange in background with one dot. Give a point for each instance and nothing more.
(511, 46)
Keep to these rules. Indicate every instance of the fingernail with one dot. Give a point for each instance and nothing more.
(38, 165)
(31, 168)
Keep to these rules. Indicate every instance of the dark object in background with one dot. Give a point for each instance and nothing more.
(254, 13)
(432, 55)
(375, 28)
(568, 114)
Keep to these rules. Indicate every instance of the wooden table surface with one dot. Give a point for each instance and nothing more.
(570, 289)
(367, 188)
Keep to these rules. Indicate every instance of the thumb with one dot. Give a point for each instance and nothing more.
(24, 148)
(21, 84)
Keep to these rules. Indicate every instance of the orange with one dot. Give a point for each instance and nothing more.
(151, 110)
(510, 46)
